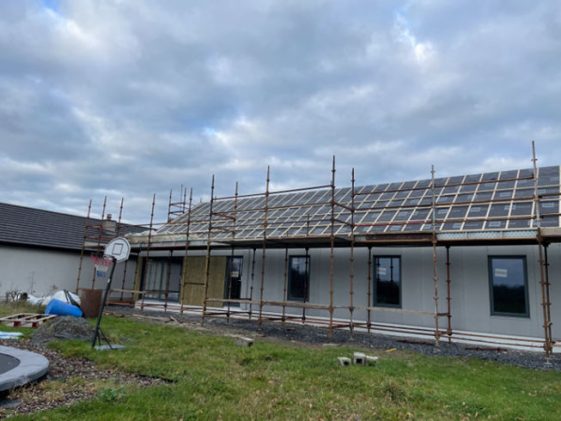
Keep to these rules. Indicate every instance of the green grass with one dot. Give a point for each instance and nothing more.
(214, 379)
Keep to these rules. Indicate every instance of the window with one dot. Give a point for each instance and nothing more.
(298, 278)
(387, 278)
(509, 285)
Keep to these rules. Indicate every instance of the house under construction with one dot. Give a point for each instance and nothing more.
(463, 258)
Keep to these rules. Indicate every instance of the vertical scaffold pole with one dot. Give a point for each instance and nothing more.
(549, 347)
(208, 250)
(168, 279)
(332, 248)
(147, 260)
(98, 251)
(169, 205)
(285, 286)
(119, 232)
(252, 282)
(434, 262)
(369, 291)
(235, 213)
(542, 253)
(352, 254)
(185, 259)
(264, 248)
(448, 296)
(119, 225)
(306, 283)
(83, 249)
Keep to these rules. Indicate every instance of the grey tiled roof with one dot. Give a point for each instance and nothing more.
(501, 200)
(41, 228)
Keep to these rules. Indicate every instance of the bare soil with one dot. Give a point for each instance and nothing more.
(69, 380)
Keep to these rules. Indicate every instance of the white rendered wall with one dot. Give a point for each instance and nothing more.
(471, 306)
(42, 271)
(470, 293)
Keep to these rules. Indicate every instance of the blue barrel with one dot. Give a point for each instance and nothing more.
(61, 308)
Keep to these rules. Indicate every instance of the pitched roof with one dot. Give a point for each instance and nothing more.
(41, 228)
(495, 201)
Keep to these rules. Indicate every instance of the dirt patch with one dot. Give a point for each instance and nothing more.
(63, 328)
(69, 380)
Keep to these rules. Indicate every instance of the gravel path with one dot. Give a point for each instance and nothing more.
(318, 335)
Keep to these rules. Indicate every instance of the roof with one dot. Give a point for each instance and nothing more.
(20, 225)
(496, 201)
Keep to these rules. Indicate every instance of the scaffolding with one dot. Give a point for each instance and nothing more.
(338, 218)
(97, 233)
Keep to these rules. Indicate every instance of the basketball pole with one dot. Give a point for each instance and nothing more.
(98, 334)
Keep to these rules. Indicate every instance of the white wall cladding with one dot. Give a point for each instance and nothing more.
(471, 307)
(42, 271)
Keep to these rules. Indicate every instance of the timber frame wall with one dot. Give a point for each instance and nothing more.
(229, 221)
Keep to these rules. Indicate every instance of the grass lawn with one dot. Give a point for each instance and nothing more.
(212, 378)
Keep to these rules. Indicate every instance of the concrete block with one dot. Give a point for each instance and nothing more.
(242, 341)
(371, 360)
(344, 361)
(359, 358)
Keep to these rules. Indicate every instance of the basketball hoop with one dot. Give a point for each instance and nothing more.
(101, 265)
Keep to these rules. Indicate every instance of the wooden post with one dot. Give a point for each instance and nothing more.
(208, 250)
(448, 296)
(264, 250)
(185, 258)
(285, 288)
(542, 253)
(332, 249)
(147, 261)
(369, 291)
(82, 250)
(352, 256)
(252, 280)
(434, 264)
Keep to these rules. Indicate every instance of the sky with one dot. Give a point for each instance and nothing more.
(133, 98)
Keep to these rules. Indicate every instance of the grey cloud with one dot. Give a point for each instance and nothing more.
(131, 98)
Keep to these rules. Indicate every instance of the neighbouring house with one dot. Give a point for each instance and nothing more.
(472, 258)
(43, 251)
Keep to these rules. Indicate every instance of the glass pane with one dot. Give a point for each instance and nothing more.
(524, 194)
(403, 215)
(508, 283)
(413, 227)
(519, 223)
(503, 195)
(472, 178)
(468, 188)
(496, 224)
(550, 221)
(523, 208)
(473, 225)
(388, 281)
(506, 175)
(549, 207)
(298, 278)
(452, 226)
(458, 212)
(423, 184)
(490, 176)
(499, 210)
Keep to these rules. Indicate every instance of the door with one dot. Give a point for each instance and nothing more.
(194, 280)
(233, 278)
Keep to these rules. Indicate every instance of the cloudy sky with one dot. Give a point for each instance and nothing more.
(131, 98)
